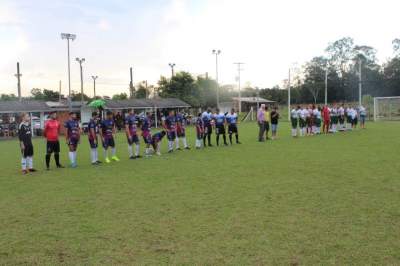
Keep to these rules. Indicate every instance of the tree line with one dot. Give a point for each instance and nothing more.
(341, 62)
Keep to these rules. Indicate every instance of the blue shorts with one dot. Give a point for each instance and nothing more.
(274, 127)
(108, 142)
(171, 135)
(133, 139)
(147, 138)
(362, 119)
(93, 143)
(73, 142)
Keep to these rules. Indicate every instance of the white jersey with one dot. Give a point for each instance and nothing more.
(294, 114)
(341, 111)
(315, 112)
(303, 114)
(363, 111)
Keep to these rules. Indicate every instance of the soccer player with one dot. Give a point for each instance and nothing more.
(207, 117)
(334, 118)
(327, 119)
(302, 120)
(25, 142)
(274, 122)
(363, 114)
(267, 116)
(199, 131)
(294, 119)
(93, 140)
(318, 120)
(51, 133)
(170, 127)
(220, 122)
(72, 137)
(156, 141)
(232, 120)
(146, 132)
(181, 131)
(107, 133)
(341, 114)
(131, 125)
(309, 120)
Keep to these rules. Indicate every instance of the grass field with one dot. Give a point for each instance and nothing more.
(331, 200)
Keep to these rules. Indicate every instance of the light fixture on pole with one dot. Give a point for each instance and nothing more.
(172, 65)
(239, 69)
(68, 37)
(80, 61)
(94, 85)
(216, 53)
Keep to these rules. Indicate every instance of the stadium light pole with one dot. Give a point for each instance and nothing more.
(239, 68)
(359, 83)
(68, 37)
(217, 53)
(94, 85)
(80, 61)
(172, 65)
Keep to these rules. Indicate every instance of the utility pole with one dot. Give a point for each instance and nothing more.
(18, 75)
(239, 65)
(326, 86)
(80, 61)
(68, 37)
(145, 84)
(131, 88)
(94, 85)
(217, 53)
(359, 83)
(172, 65)
(59, 91)
(289, 96)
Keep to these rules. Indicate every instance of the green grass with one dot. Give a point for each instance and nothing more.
(331, 200)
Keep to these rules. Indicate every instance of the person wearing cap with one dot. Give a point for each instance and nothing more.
(261, 123)
(51, 133)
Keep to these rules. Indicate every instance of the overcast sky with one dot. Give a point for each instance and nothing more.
(269, 36)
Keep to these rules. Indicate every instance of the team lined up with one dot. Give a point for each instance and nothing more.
(174, 128)
(307, 121)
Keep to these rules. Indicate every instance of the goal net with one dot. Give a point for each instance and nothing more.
(387, 108)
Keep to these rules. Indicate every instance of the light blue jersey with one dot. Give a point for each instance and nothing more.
(232, 118)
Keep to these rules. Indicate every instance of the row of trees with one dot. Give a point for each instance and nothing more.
(341, 62)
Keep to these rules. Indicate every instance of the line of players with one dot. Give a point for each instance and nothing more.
(308, 120)
(174, 127)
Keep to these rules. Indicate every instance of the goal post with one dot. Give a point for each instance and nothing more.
(387, 108)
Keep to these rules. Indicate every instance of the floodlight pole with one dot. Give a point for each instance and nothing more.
(217, 53)
(94, 85)
(69, 36)
(172, 65)
(80, 61)
(239, 84)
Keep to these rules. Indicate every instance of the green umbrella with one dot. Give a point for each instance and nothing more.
(97, 104)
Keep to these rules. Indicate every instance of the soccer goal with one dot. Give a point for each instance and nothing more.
(387, 108)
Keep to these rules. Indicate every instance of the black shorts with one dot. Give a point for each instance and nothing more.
(93, 143)
(207, 130)
(267, 126)
(28, 151)
(53, 146)
(220, 130)
(232, 129)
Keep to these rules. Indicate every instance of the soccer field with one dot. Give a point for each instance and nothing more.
(316, 200)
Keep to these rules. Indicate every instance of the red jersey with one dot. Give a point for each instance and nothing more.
(326, 114)
(52, 130)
